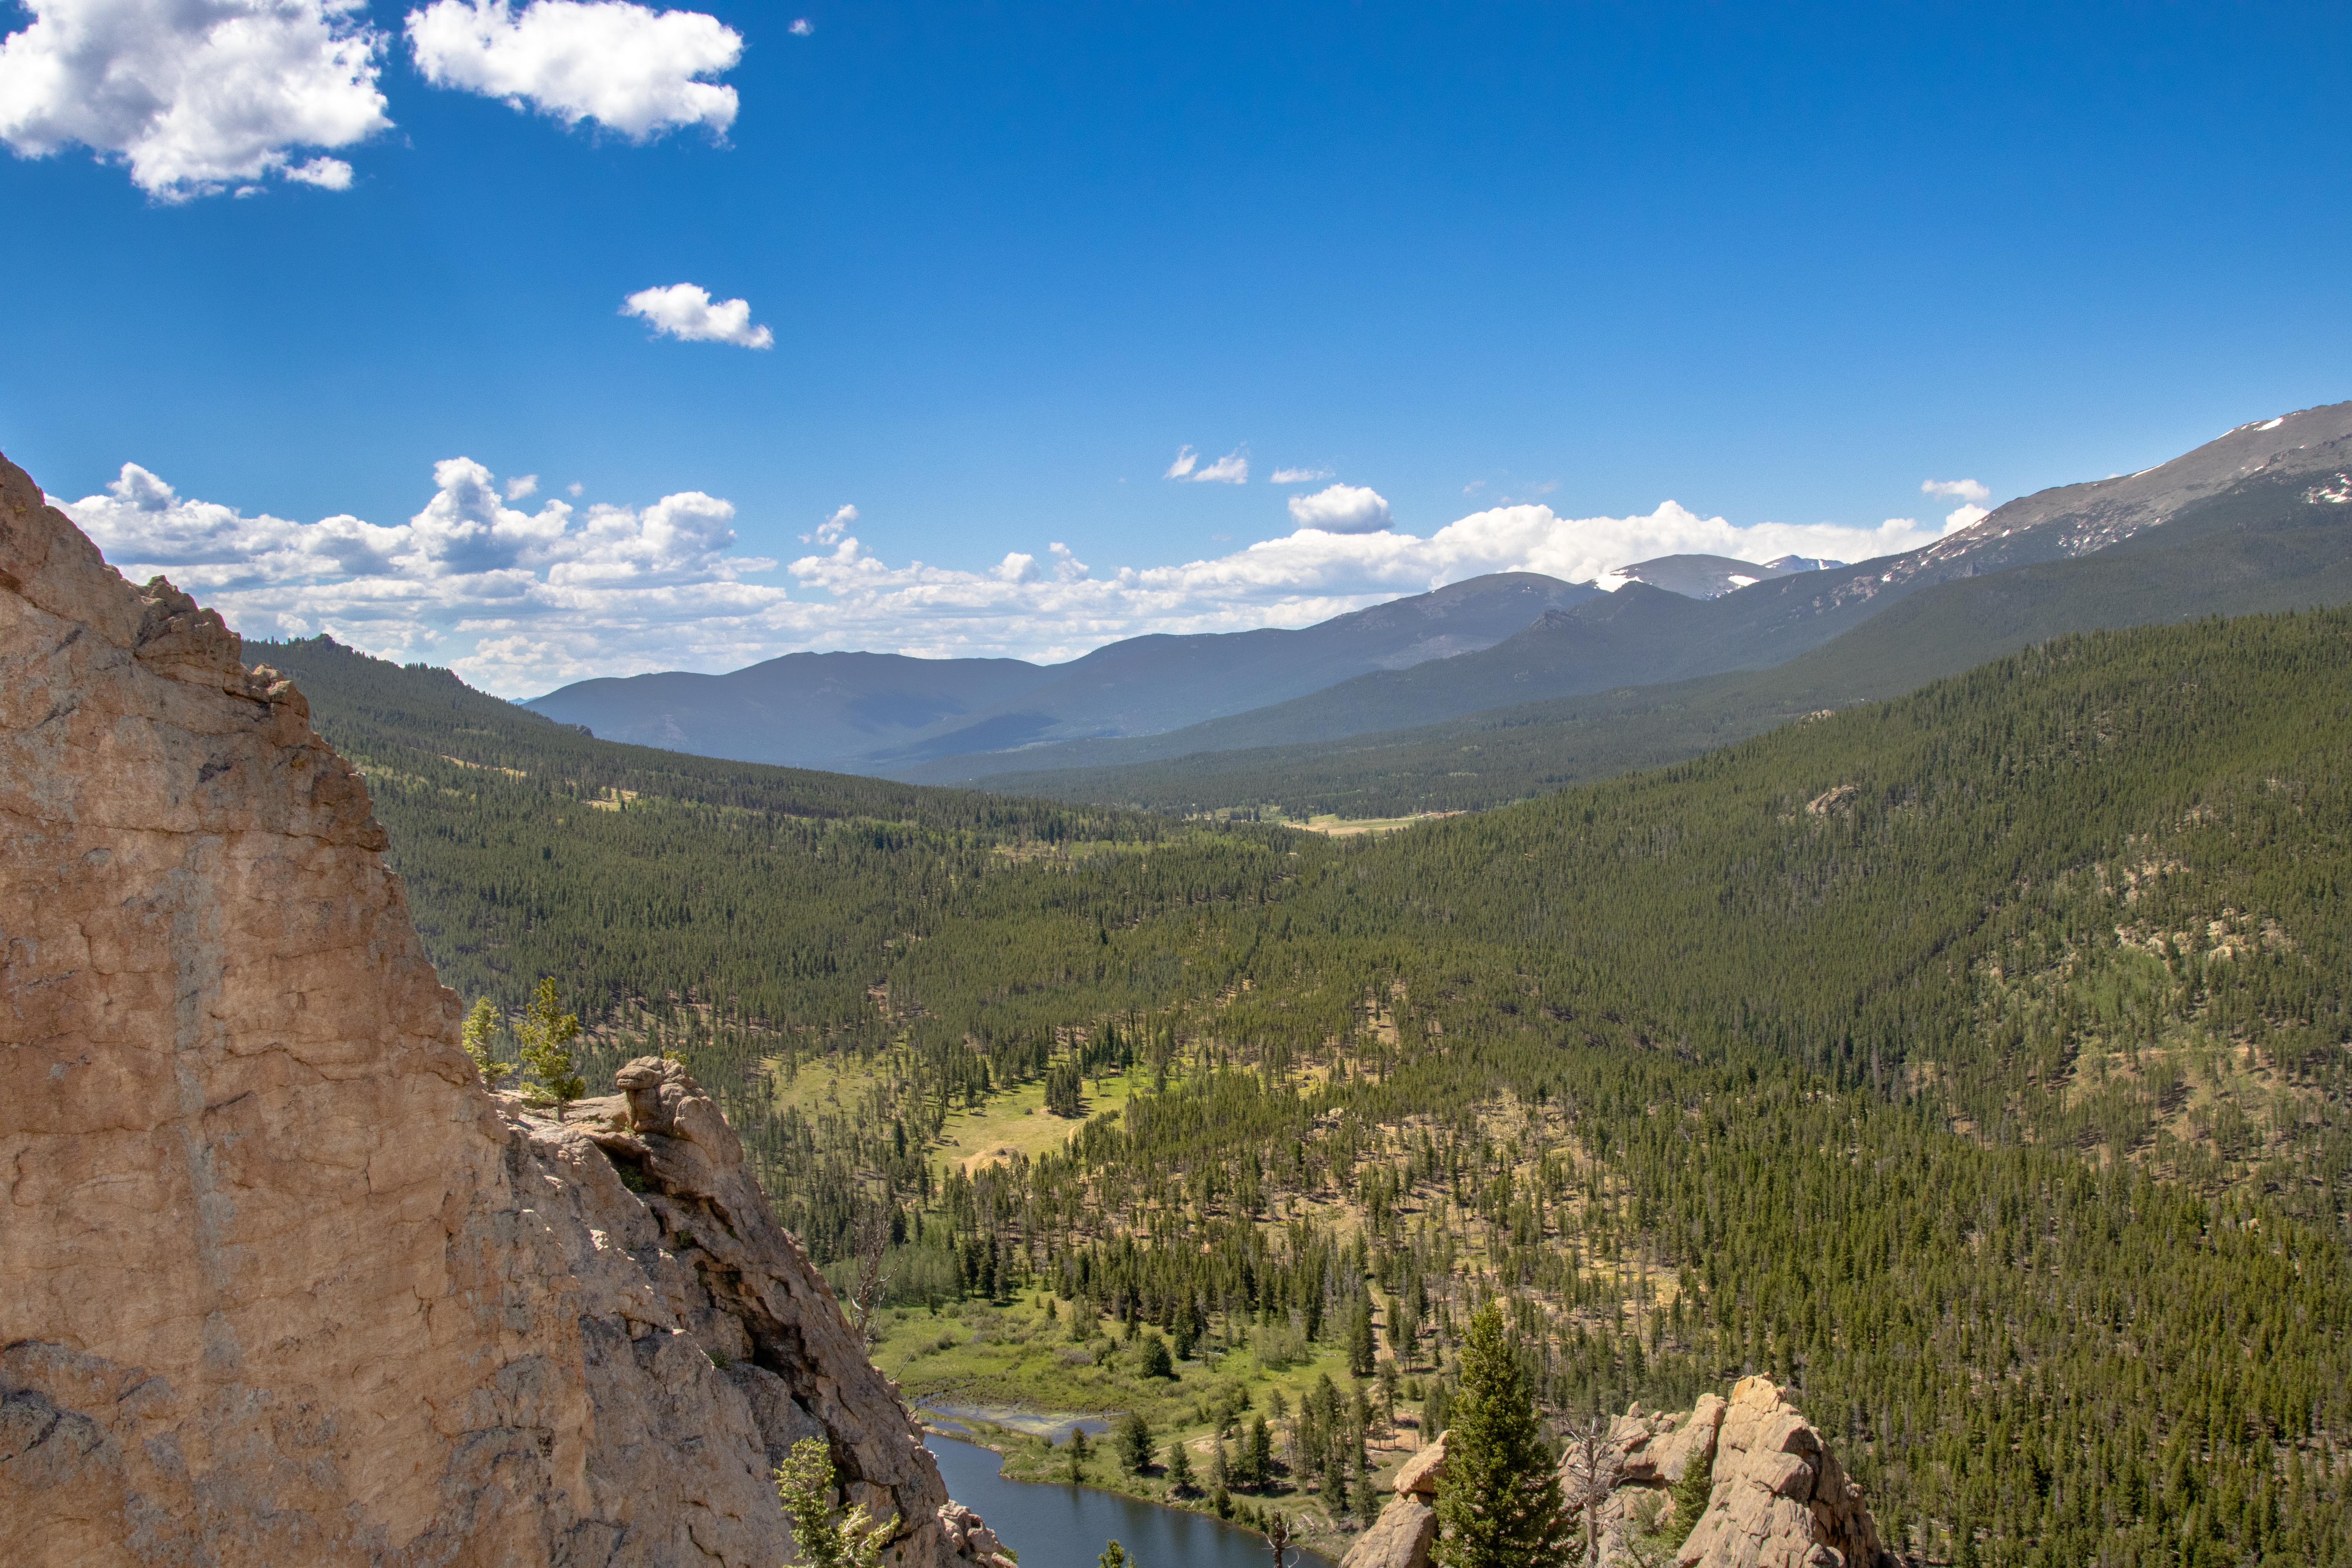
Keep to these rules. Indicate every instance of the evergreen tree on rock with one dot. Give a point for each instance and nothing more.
(1498, 1503)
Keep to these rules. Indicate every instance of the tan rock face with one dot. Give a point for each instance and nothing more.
(1421, 1473)
(279, 1281)
(1781, 1499)
(1778, 1501)
(1400, 1538)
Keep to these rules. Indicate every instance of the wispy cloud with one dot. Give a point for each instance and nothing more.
(687, 311)
(1299, 476)
(830, 531)
(626, 67)
(521, 601)
(523, 485)
(802, 27)
(1232, 468)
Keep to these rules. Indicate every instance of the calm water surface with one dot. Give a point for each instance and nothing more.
(1056, 1525)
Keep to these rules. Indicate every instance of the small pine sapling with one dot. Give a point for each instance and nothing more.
(479, 1034)
(547, 1032)
(1692, 1494)
(805, 1482)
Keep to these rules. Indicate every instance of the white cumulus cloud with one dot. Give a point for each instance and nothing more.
(519, 601)
(195, 96)
(1968, 493)
(1182, 468)
(1341, 509)
(629, 68)
(464, 578)
(687, 311)
(802, 27)
(326, 173)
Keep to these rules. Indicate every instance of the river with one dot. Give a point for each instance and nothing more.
(1056, 1525)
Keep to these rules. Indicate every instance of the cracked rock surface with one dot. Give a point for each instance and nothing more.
(280, 1282)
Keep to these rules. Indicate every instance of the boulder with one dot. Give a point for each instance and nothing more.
(1400, 1538)
(1421, 1473)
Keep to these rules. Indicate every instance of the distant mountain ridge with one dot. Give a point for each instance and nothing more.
(869, 712)
(2266, 545)
(1644, 635)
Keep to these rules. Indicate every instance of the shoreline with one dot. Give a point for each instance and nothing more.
(1024, 1459)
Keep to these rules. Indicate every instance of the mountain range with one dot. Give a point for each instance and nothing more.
(1507, 642)
(1642, 636)
(882, 713)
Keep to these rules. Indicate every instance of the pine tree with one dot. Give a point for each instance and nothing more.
(1498, 1503)
(1359, 1338)
(1179, 1470)
(1156, 1363)
(804, 1483)
(1368, 1497)
(1077, 1453)
(547, 1032)
(479, 1034)
(1115, 1556)
(1134, 1444)
(1691, 1496)
(1258, 1461)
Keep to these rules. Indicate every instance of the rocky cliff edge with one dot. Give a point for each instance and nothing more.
(280, 1282)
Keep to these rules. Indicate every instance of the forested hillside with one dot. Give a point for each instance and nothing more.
(1974, 1061)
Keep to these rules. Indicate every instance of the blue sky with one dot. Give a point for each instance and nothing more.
(1525, 273)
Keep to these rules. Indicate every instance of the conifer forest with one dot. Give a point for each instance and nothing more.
(1974, 1062)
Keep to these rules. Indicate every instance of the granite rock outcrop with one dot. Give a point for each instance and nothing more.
(1778, 1498)
(280, 1281)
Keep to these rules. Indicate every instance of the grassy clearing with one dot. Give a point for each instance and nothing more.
(1016, 1122)
(1026, 1355)
(1335, 826)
